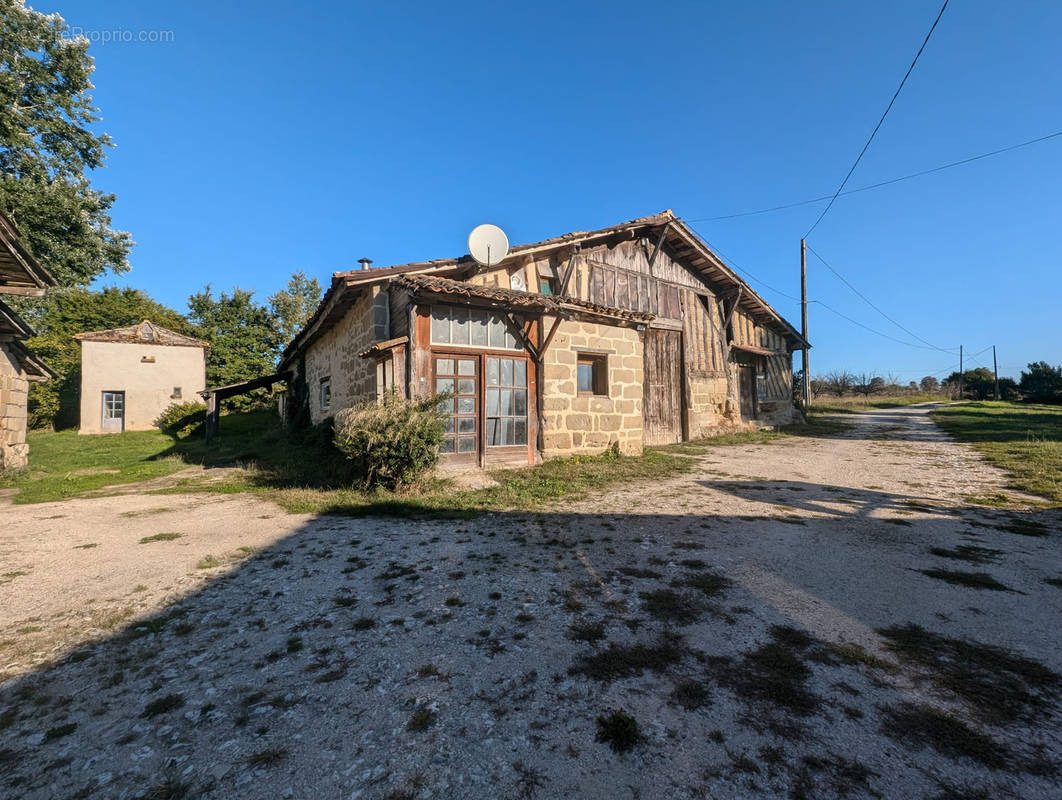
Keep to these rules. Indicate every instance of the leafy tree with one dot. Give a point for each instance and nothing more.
(1008, 389)
(294, 305)
(1042, 383)
(48, 147)
(929, 384)
(978, 384)
(64, 312)
(243, 337)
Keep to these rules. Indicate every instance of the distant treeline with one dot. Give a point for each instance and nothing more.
(1039, 383)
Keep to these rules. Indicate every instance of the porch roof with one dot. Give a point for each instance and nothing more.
(511, 299)
(20, 273)
(756, 350)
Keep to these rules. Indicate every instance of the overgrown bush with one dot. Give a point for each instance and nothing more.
(181, 420)
(393, 441)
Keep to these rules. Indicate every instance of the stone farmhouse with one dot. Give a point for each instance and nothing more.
(20, 274)
(627, 336)
(130, 375)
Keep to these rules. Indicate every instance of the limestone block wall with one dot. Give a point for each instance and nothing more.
(14, 394)
(572, 423)
(708, 404)
(335, 356)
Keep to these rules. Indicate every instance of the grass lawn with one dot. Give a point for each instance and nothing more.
(304, 475)
(853, 405)
(64, 464)
(1024, 439)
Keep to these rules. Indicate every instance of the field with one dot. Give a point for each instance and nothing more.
(825, 404)
(1023, 439)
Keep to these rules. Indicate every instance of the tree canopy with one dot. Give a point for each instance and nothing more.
(293, 305)
(242, 334)
(48, 147)
(1042, 383)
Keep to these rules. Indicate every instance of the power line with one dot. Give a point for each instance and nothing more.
(730, 262)
(881, 121)
(867, 300)
(872, 330)
(889, 182)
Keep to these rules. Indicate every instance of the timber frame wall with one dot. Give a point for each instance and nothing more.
(732, 353)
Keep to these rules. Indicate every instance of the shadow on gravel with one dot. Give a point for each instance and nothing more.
(409, 658)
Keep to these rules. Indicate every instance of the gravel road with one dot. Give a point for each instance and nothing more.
(792, 619)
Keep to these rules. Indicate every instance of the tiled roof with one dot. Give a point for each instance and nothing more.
(436, 285)
(145, 333)
(685, 243)
(512, 297)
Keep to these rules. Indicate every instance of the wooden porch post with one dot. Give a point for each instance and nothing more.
(211, 416)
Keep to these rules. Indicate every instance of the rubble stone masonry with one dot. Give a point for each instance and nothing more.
(335, 356)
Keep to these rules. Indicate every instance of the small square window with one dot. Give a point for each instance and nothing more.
(326, 393)
(592, 374)
(546, 286)
(176, 393)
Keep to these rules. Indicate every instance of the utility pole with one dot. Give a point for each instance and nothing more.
(805, 388)
(995, 373)
(960, 372)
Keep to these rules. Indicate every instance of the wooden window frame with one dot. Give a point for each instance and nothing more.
(598, 363)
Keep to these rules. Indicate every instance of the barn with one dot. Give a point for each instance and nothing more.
(632, 335)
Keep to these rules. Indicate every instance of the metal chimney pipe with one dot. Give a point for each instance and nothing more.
(365, 262)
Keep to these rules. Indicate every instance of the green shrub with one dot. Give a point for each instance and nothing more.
(181, 420)
(393, 441)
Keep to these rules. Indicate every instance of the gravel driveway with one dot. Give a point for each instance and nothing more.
(814, 617)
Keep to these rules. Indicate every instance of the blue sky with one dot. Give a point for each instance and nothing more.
(272, 137)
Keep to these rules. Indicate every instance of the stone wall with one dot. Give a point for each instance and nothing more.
(709, 403)
(335, 356)
(14, 393)
(573, 423)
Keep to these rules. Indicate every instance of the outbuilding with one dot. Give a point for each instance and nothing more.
(130, 375)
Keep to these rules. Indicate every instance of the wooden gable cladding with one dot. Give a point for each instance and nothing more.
(702, 325)
(746, 330)
(621, 288)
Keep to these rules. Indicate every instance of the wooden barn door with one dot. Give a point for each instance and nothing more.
(747, 386)
(662, 387)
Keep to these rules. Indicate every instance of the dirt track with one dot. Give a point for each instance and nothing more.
(365, 658)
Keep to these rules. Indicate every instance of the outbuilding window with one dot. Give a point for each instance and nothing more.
(326, 393)
(592, 374)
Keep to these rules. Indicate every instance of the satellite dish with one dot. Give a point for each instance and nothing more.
(488, 245)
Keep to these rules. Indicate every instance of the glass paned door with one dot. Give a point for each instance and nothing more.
(506, 397)
(113, 412)
(457, 376)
